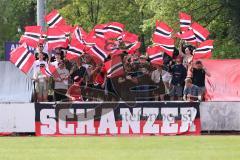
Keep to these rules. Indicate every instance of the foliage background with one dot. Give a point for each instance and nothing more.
(221, 17)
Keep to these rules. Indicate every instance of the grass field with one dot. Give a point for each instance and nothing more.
(122, 148)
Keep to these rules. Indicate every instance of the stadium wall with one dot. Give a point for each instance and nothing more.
(214, 116)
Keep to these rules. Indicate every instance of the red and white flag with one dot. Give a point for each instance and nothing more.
(114, 67)
(113, 30)
(54, 19)
(22, 58)
(75, 50)
(98, 51)
(50, 71)
(128, 37)
(56, 38)
(185, 21)
(31, 36)
(155, 55)
(100, 31)
(163, 30)
(167, 44)
(133, 47)
(200, 32)
(204, 50)
(188, 36)
(67, 29)
(79, 34)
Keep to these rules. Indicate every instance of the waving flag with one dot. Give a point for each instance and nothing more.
(31, 36)
(98, 51)
(185, 21)
(200, 32)
(75, 50)
(113, 30)
(22, 58)
(99, 30)
(155, 54)
(204, 50)
(163, 30)
(79, 34)
(133, 47)
(50, 71)
(114, 67)
(167, 44)
(67, 29)
(54, 19)
(188, 36)
(128, 37)
(56, 38)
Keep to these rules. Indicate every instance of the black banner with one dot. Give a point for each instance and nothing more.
(140, 118)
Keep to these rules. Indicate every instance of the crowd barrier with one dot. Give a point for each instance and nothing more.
(106, 118)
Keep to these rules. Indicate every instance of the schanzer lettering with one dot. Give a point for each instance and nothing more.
(133, 121)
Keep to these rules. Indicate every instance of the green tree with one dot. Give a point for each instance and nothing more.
(15, 14)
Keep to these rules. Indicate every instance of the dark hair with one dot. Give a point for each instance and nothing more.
(198, 62)
(190, 47)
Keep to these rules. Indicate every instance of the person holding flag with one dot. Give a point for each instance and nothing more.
(41, 84)
(40, 79)
(40, 59)
(186, 53)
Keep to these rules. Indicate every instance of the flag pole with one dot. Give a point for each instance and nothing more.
(40, 12)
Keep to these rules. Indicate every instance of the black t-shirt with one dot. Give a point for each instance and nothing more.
(179, 74)
(81, 72)
(199, 77)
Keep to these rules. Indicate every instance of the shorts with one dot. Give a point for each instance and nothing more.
(176, 91)
(161, 88)
(41, 89)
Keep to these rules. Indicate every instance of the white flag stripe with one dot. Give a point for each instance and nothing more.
(167, 32)
(60, 36)
(113, 66)
(35, 39)
(25, 61)
(202, 52)
(20, 58)
(199, 34)
(185, 21)
(205, 47)
(33, 33)
(115, 27)
(55, 41)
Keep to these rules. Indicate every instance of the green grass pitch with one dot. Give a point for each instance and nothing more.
(121, 148)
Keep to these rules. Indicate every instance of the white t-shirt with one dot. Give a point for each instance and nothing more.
(63, 74)
(166, 76)
(156, 76)
(55, 63)
(36, 65)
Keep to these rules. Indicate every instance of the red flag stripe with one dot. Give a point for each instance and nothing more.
(22, 58)
(163, 30)
(200, 32)
(185, 21)
(54, 19)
